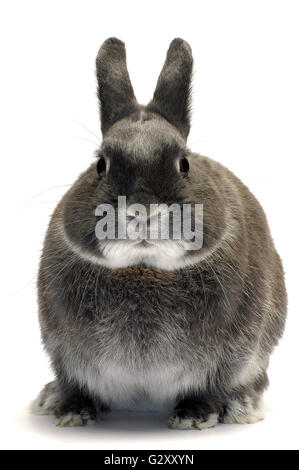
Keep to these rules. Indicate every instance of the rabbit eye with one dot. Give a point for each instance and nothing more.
(102, 166)
(184, 165)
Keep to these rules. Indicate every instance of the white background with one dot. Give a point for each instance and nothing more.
(246, 115)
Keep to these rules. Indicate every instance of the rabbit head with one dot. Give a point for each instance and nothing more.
(144, 160)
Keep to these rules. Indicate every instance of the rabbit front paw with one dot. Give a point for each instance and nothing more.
(245, 410)
(75, 411)
(192, 414)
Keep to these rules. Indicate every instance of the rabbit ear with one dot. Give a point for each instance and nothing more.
(172, 95)
(115, 90)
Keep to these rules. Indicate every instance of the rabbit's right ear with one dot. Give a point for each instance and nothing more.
(115, 90)
(172, 95)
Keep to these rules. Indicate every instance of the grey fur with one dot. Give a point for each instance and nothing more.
(197, 336)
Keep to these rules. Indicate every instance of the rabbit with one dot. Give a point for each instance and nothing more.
(189, 330)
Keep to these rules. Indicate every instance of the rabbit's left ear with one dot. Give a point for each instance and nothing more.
(172, 95)
(115, 90)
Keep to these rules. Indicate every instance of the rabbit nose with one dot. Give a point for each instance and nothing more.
(143, 221)
(144, 226)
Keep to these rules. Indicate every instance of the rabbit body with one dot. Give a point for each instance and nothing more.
(193, 331)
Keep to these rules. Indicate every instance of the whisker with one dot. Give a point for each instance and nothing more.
(83, 295)
(43, 192)
(88, 140)
(24, 287)
(37, 204)
(85, 127)
(220, 283)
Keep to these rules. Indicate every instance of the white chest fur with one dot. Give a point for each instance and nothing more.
(155, 388)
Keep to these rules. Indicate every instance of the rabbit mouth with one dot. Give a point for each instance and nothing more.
(158, 253)
(144, 243)
(115, 254)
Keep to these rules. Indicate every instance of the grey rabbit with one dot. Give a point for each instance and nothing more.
(125, 321)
